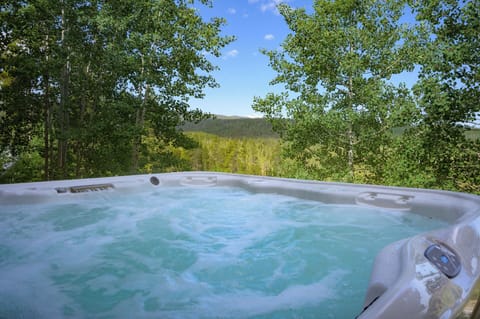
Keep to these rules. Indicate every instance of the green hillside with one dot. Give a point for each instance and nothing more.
(473, 134)
(238, 127)
(233, 127)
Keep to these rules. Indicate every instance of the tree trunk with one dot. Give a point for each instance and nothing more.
(63, 111)
(350, 133)
(47, 119)
(351, 158)
(139, 123)
(47, 125)
(79, 145)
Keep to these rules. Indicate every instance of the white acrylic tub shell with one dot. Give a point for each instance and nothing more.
(403, 283)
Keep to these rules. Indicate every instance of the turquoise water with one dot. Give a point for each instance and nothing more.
(192, 253)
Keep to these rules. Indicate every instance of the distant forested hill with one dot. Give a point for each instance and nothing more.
(473, 134)
(237, 127)
(233, 127)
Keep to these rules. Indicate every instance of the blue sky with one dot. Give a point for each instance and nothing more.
(244, 71)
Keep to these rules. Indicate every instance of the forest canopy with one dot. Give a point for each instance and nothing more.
(339, 111)
(83, 81)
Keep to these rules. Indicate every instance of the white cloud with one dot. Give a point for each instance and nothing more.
(231, 10)
(231, 54)
(271, 5)
(267, 6)
(269, 37)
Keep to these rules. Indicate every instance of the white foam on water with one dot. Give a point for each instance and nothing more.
(242, 304)
(26, 293)
(191, 253)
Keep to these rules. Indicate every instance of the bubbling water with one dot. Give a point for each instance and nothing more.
(192, 253)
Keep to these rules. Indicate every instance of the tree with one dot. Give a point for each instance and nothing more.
(448, 92)
(164, 60)
(338, 109)
(21, 67)
(244, 155)
(98, 75)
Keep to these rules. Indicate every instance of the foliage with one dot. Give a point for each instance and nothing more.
(341, 119)
(233, 127)
(90, 78)
(473, 134)
(90, 88)
(448, 92)
(161, 157)
(26, 167)
(335, 64)
(257, 156)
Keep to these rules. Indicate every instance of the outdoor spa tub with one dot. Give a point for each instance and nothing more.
(211, 245)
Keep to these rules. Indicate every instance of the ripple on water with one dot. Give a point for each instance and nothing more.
(192, 253)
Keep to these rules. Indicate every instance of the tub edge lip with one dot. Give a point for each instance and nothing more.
(140, 178)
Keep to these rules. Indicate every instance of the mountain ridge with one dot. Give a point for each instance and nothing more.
(233, 126)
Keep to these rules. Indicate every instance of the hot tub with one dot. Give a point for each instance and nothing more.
(203, 245)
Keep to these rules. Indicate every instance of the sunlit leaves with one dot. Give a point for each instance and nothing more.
(96, 75)
(334, 65)
(449, 90)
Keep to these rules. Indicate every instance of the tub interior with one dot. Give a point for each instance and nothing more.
(205, 245)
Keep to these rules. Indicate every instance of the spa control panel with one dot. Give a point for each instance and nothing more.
(444, 259)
